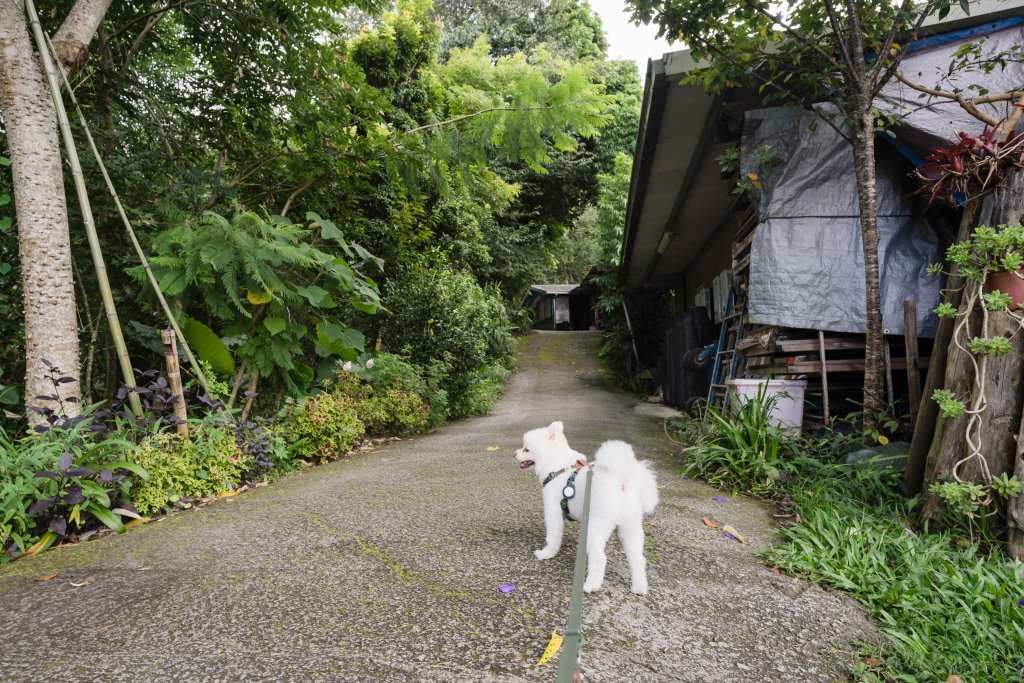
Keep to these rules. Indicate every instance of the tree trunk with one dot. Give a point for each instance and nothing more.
(44, 244)
(864, 166)
(1003, 388)
(51, 328)
(928, 412)
(71, 41)
(1015, 507)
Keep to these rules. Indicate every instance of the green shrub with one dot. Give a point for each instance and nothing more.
(393, 411)
(322, 427)
(481, 392)
(65, 478)
(443, 319)
(390, 372)
(742, 450)
(20, 489)
(387, 370)
(204, 464)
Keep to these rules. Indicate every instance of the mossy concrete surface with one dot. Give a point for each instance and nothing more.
(386, 567)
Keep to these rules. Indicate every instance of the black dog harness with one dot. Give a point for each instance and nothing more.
(568, 491)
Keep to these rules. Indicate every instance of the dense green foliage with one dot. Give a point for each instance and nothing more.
(473, 156)
(312, 180)
(204, 464)
(444, 320)
(322, 427)
(945, 606)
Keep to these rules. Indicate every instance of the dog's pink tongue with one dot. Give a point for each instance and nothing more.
(526, 463)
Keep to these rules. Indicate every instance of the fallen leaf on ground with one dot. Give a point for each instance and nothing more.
(506, 587)
(953, 678)
(553, 646)
(871, 661)
(260, 484)
(493, 448)
(732, 532)
(47, 577)
(229, 494)
(79, 585)
(709, 523)
(776, 571)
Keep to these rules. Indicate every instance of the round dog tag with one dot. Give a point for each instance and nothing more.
(569, 491)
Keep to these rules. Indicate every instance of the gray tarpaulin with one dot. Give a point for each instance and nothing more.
(807, 262)
(928, 121)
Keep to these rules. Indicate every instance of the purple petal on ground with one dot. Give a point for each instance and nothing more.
(720, 499)
(507, 587)
(728, 535)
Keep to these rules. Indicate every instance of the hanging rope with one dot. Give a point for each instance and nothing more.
(124, 219)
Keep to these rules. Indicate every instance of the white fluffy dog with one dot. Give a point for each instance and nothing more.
(624, 490)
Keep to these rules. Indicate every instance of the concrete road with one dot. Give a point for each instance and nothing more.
(386, 567)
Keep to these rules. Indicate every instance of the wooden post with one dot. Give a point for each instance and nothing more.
(928, 419)
(887, 360)
(824, 378)
(174, 379)
(1015, 506)
(913, 359)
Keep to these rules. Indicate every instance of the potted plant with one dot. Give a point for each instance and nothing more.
(993, 257)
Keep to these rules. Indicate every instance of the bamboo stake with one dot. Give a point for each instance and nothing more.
(174, 379)
(131, 232)
(127, 373)
(824, 378)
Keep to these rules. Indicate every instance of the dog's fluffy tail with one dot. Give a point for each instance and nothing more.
(618, 459)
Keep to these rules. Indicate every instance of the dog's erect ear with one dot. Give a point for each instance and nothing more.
(554, 431)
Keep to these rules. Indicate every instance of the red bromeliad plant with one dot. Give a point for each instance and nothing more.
(971, 166)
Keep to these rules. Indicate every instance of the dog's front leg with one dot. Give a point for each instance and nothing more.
(554, 524)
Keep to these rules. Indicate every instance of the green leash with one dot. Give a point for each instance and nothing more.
(569, 658)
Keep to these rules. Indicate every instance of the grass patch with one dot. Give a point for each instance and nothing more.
(946, 608)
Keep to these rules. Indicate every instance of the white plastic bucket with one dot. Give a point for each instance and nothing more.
(788, 410)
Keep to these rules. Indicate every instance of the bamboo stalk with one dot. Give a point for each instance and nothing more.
(127, 373)
(131, 233)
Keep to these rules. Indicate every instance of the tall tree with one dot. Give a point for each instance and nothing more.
(837, 51)
(30, 121)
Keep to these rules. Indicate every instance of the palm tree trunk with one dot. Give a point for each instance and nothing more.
(51, 328)
(44, 244)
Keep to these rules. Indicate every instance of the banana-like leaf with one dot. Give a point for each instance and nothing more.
(208, 346)
(108, 518)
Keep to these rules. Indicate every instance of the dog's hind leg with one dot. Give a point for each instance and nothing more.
(598, 534)
(632, 537)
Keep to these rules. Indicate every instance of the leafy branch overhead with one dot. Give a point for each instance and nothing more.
(517, 107)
